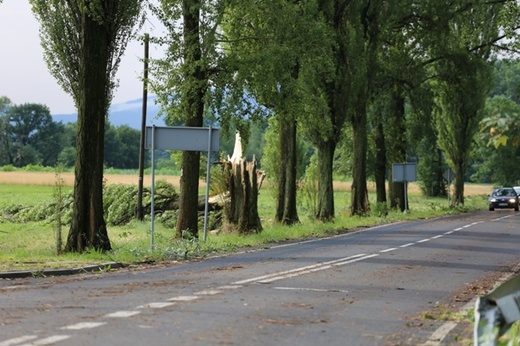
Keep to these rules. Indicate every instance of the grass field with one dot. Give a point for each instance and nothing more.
(32, 245)
(49, 179)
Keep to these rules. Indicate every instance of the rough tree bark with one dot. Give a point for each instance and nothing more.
(241, 212)
(286, 211)
(88, 227)
(195, 89)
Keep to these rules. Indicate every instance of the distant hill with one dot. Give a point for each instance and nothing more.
(128, 113)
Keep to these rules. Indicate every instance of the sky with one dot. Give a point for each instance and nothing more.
(24, 77)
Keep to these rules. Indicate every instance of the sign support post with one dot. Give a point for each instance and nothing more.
(404, 172)
(181, 138)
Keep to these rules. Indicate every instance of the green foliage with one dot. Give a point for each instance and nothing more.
(29, 136)
(380, 209)
(8, 168)
(309, 188)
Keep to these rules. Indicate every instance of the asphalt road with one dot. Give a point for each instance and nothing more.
(369, 287)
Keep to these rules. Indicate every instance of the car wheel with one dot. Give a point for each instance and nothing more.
(516, 208)
(491, 209)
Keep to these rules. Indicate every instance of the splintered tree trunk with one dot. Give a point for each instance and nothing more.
(242, 210)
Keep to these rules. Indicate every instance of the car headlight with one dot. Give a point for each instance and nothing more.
(493, 200)
(512, 200)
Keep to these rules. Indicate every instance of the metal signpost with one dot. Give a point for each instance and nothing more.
(404, 172)
(186, 139)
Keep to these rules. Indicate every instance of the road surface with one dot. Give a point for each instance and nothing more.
(375, 286)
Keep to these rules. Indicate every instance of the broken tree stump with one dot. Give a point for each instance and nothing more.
(241, 211)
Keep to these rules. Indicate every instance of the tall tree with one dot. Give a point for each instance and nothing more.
(283, 39)
(30, 136)
(181, 81)
(83, 41)
(356, 27)
(464, 80)
(5, 105)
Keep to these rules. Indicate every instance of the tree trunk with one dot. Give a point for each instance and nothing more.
(188, 218)
(290, 213)
(360, 205)
(325, 182)
(88, 227)
(194, 90)
(458, 194)
(242, 210)
(398, 136)
(286, 211)
(380, 167)
(282, 170)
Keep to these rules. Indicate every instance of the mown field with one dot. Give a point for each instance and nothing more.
(33, 245)
(49, 179)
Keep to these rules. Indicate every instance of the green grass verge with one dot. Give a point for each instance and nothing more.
(32, 245)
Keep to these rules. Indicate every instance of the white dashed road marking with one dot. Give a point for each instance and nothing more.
(122, 314)
(158, 305)
(183, 298)
(84, 325)
(48, 341)
(16, 341)
(308, 289)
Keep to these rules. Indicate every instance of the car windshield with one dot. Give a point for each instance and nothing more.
(504, 193)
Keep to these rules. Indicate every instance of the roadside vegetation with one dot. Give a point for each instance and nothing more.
(29, 237)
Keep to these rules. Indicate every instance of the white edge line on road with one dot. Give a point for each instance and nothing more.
(258, 278)
(439, 335)
(438, 236)
(388, 250)
(406, 245)
(423, 240)
(328, 266)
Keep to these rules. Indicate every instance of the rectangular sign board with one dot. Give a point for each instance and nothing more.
(182, 138)
(404, 172)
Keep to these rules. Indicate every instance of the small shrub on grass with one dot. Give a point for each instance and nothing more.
(380, 209)
(8, 168)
